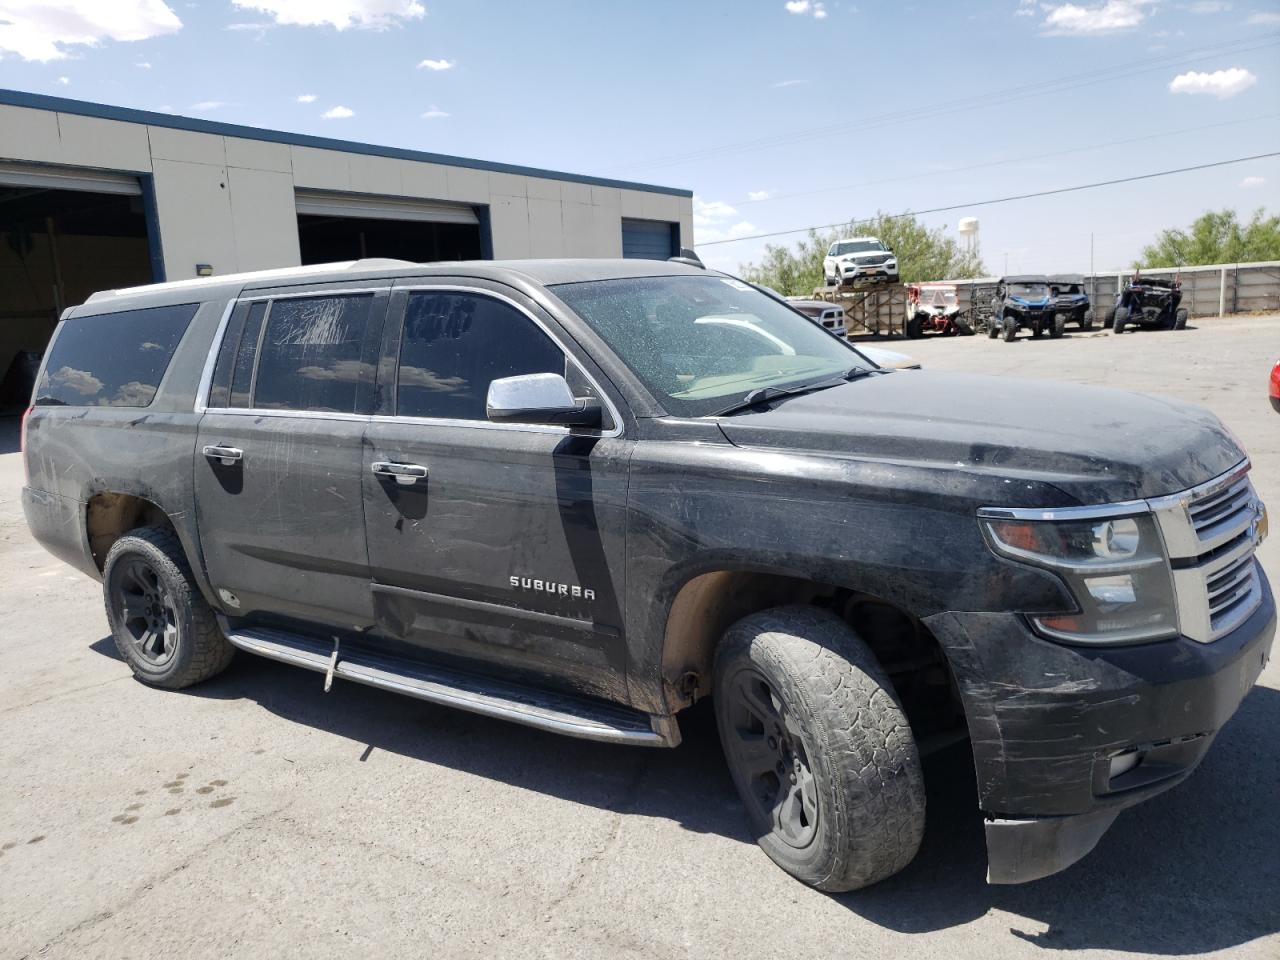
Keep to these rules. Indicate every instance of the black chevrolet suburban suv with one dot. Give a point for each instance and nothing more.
(582, 495)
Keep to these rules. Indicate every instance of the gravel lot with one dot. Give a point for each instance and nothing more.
(256, 816)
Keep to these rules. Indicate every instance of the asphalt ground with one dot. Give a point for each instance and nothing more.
(255, 816)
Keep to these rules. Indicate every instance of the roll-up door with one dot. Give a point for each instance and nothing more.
(648, 239)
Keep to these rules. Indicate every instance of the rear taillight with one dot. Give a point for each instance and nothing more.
(22, 445)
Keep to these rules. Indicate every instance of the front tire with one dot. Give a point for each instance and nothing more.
(161, 623)
(819, 748)
(915, 327)
(1180, 319)
(1059, 326)
(1120, 319)
(1086, 320)
(1010, 329)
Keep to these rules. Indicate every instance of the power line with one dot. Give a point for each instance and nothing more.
(1009, 199)
(1002, 163)
(1005, 95)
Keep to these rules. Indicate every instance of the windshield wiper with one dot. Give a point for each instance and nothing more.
(764, 394)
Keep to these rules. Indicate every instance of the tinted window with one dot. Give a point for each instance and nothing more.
(455, 344)
(235, 358)
(242, 373)
(312, 355)
(113, 359)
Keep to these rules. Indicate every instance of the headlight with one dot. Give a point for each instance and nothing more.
(1115, 568)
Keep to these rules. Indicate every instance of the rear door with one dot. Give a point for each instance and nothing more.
(500, 545)
(278, 456)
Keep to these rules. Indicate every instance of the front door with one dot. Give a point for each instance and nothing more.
(500, 546)
(278, 461)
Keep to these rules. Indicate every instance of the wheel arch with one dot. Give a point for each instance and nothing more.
(710, 601)
(109, 515)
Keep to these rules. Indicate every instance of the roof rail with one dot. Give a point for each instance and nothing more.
(688, 257)
(283, 273)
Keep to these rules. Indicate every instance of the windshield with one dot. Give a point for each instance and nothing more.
(1029, 291)
(937, 296)
(858, 246)
(700, 342)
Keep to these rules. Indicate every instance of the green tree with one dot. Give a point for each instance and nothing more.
(1215, 237)
(923, 254)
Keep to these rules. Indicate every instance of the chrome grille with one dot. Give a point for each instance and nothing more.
(1210, 533)
(1224, 511)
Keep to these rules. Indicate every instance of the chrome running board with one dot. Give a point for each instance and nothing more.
(557, 713)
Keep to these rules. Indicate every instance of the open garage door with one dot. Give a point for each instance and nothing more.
(334, 227)
(64, 234)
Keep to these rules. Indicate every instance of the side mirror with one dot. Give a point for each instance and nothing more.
(539, 398)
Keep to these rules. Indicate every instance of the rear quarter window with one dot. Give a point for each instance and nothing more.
(112, 359)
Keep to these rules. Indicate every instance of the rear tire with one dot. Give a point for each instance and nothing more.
(819, 748)
(161, 623)
(1120, 319)
(961, 326)
(1180, 319)
(1009, 329)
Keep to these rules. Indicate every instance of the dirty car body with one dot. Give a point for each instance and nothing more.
(1078, 597)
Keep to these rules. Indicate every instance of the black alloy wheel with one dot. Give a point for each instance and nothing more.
(147, 611)
(765, 743)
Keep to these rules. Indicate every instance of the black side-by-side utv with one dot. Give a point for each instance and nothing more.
(1149, 302)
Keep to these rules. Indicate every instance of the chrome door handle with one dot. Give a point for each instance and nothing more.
(224, 455)
(404, 473)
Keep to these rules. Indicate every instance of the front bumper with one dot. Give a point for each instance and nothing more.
(1046, 719)
(850, 271)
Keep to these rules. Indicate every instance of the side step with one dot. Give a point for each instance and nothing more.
(558, 713)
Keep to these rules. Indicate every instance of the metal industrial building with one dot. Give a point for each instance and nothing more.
(94, 196)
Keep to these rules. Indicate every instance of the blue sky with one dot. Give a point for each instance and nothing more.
(776, 114)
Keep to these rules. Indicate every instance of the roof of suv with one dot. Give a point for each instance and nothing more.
(545, 272)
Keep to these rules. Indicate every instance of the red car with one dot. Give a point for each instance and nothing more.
(1275, 387)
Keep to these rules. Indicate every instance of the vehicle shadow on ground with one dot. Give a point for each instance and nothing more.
(1192, 871)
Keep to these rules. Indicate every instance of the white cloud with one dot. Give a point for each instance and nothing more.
(143, 65)
(817, 10)
(259, 27)
(1073, 20)
(789, 83)
(1250, 182)
(1209, 6)
(339, 14)
(306, 98)
(435, 113)
(81, 381)
(716, 220)
(64, 81)
(1265, 19)
(436, 65)
(758, 194)
(707, 213)
(1221, 83)
(338, 113)
(204, 106)
(42, 29)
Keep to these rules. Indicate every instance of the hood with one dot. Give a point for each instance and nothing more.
(1095, 444)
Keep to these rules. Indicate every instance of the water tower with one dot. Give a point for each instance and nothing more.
(968, 227)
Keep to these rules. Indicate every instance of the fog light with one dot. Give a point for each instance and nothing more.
(1124, 762)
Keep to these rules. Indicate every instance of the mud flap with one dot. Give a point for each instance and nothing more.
(1022, 850)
